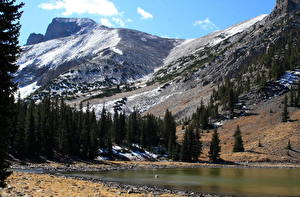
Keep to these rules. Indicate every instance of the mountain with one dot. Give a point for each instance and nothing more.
(241, 75)
(253, 55)
(62, 27)
(156, 74)
(78, 55)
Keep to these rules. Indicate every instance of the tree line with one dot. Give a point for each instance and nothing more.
(52, 127)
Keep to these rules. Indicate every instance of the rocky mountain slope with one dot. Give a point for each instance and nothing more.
(247, 54)
(78, 55)
(177, 85)
(86, 66)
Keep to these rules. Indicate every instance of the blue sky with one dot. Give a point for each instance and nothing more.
(168, 18)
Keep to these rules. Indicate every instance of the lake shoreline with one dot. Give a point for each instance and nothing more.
(56, 169)
(50, 167)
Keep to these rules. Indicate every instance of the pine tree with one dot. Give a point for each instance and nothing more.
(285, 113)
(231, 101)
(19, 142)
(134, 128)
(47, 127)
(109, 135)
(116, 128)
(169, 131)
(298, 95)
(93, 144)
(214, 149)
(191, 146)
(9, 32)
(122, 127)
(292, 98)
(238, 141)
(196, 146)
(103, 127)
(185, 153)
(30, 137)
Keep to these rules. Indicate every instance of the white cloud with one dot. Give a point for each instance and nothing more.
(100, 7)
(206, 24)
(106, 22)
(144, 14)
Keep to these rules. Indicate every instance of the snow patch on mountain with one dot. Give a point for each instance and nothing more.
(133, 153)
(54, 52)
(193, 45)
(27, 90)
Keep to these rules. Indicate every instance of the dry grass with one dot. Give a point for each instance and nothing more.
(264, 126)
(38, 185)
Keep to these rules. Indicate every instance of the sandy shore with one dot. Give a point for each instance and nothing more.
(45, 180)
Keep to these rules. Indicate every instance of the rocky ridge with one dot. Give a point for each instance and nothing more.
(78, 55)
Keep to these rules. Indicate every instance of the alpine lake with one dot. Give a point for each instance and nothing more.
(223, 181)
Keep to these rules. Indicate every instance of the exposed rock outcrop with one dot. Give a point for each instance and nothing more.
(35, 38)
(63, 27)
(286, 6)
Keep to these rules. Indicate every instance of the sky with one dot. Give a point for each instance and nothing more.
(184, 19)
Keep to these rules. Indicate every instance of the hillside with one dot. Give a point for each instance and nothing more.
(263, 125)
(258, 58)
(78, 56)
(250, 54)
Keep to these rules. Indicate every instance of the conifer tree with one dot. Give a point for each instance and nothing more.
(196, 146)
(191, 146)
(19, 142)
(238, 141)
(108, 134)
(93, 144)
(116, 128)
(185, 153)
(214, 149)
(9, 32)
(134, 128)
(30, 137)
(292, 98)
(285, 113)
(122, 127)
(231, 101)
(48, 137)
(103, 127)
(169, 131)
(298, 95)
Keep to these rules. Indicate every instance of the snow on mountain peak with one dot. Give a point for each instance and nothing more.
(193, 45)
(53, 52)
(78, 21)
(63, 27)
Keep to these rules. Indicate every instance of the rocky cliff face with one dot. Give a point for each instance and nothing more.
(78, 55)
(35, 38)
(62, 27)
(286, 6)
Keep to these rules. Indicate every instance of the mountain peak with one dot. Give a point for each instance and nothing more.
(79, 21)
(287, 6)
(63, 27)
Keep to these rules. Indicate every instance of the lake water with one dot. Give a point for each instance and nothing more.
(235, 181)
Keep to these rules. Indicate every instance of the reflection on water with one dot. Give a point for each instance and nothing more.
(237, 181)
